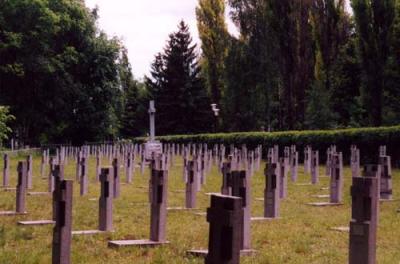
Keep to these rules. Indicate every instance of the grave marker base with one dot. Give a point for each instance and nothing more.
(181, 209)
(343, 229)
(303, 184)
(39, 193)
(259, 219)
(202, 253)
(11, 213)
(36, 222)
(324, 204)
(201, 214)
(136, 243)
(89, 232)
(10, 189)
(321, 196)
(388, 200)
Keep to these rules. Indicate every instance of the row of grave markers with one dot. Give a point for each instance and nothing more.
(237, 171)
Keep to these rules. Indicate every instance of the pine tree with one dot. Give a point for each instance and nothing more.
(177, 87)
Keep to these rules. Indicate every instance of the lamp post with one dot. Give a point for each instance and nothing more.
(215, 110)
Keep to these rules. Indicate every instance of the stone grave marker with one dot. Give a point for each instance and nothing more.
(386, 186)
(363, 226)
(271, 193)
(158, 212)
(29, 183)
(61, 250)
(225, 216)
(117, 178)
(6, 171)
(314, 167)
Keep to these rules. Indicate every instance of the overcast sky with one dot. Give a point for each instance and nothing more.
(144, 25)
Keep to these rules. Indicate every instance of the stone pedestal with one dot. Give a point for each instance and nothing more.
(62, 230)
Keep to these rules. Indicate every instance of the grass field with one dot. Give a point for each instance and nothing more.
(302, 235)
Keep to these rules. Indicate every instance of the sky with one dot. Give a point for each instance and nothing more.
(144, 25)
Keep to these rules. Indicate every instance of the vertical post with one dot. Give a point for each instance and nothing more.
(21, 187)
(363, 226)
(271, 191)
(282, 179)
(117, 179)
(152, 111)
(225, 216)
(83, 177)
(29, 168)
(294, 163)
(314, 167)
(98, 165)
(355, 161)
(241, 188)
(57, 172)
(158, 204)
(226, 178)
(385, 178)
(191, 188)
(6, 171)
(106, 200)
(62, 231)
(128, 169)
(336, 185)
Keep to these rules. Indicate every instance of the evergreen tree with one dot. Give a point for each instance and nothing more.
(374, 23)
(178, 89)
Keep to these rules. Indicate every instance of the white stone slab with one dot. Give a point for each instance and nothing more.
(36, 222)
(324, 204)
(136, 243)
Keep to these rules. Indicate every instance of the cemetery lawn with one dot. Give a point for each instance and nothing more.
(302, 235)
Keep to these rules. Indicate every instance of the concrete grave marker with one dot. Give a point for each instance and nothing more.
(158, 211)
(117, 178)
(385, 178)
(6, 171)
(225, 216)
(106, 200)
(61, 251)
(363, 226)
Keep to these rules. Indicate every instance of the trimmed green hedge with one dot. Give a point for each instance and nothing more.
(367, 139)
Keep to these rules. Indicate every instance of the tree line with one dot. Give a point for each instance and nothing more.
(296, 64)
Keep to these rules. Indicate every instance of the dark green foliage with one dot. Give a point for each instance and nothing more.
(178, 89)
(374, 23)
(367, 139)
(58, 73)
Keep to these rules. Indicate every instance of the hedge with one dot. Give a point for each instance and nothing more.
(367, 139)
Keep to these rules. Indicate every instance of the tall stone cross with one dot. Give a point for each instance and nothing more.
(152, 112)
